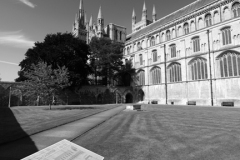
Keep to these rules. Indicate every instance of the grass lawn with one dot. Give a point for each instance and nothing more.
(168, 133)
(21, 121)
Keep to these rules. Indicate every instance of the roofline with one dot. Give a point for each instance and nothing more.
(175, 12)
(118, 25)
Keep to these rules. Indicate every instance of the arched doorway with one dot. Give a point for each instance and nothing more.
(141, 95)
(129, 98)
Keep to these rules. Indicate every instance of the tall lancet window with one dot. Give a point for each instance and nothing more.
(236, 9)
(208, 20)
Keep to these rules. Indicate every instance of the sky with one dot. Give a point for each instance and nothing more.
(24, 22)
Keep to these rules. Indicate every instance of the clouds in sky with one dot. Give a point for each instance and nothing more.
(28, 3)
(11, 63)
(15, 39)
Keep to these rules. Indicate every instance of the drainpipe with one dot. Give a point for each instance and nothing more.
(165, 59)
(210, 67)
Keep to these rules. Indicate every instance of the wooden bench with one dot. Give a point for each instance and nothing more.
(229, 104)
(193, 103)
(154, 102)
(137, 107)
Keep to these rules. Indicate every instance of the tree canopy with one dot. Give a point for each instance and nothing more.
(58, 50)
(45, 82)
(106, 57)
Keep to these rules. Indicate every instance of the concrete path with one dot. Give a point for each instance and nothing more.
(27, 146)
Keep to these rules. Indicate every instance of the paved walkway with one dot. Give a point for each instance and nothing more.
(27, 146)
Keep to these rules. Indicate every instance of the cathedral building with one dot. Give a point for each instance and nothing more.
(85, 30)
(189, 57)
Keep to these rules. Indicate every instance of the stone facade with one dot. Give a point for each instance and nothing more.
(189, 56)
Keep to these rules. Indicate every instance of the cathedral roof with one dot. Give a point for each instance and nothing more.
(173, 16)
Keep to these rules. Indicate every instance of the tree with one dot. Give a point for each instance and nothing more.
(127, 74)
(44, 81)
(58, 50)
(106, 58)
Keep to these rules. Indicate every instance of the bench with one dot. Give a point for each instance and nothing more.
(154, 102)
(229, 104)
(193, 103)
(137, 107)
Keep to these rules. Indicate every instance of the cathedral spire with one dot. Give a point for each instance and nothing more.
(81, 5)
(100, 23)
(100, 13)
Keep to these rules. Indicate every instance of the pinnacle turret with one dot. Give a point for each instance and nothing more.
(91, 22)
(133, 14)
(154, 14)
(144, 7)
(81, 5)
(144, 12)
(154, 10)
(100, 13)
(86, 20)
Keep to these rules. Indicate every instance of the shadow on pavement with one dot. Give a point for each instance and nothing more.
(10, 130)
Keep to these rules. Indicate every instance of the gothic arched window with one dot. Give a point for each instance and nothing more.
(152, 42)
(192, 26)
(236, 9)
(186, 28)
(139, 46)
(155, 75)
(128, 50)
(120, 34)
(198, 69)
(173, 33)
(157, 39)
(200, 23)
(208, 20)
(163, 37)
(142, 44)
(216, 17)
(229, 64)
(154, 55)
(173, 50)
(179, 32)
(174, 72)
(141, 78)
(226, 36)
(141, 59)
(226, 13)
(168, 35)
(116, 35)
(196, 44)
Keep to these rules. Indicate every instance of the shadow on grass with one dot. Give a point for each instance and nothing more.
(15, 144)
